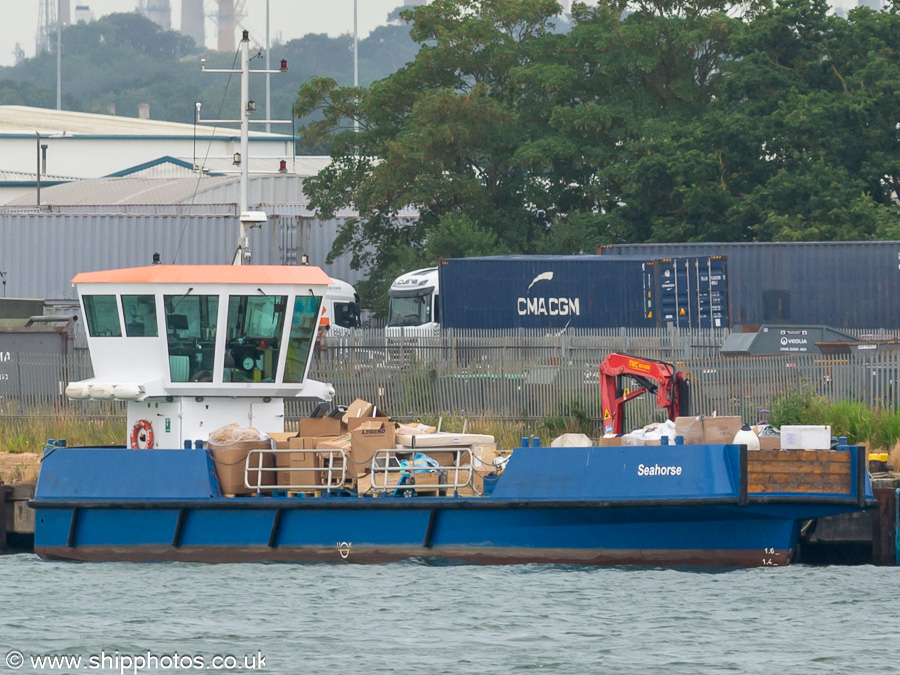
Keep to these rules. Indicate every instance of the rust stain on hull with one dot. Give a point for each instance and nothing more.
(375, 555)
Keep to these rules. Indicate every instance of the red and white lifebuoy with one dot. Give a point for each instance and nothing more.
(142, 435)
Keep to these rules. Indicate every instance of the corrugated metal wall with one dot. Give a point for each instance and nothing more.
(270, 192)
(839, 284)
(206, 209)
(41, 253)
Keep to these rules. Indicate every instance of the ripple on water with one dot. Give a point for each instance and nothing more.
(418, 616)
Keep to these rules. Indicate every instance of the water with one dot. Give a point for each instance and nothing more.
(412, 617)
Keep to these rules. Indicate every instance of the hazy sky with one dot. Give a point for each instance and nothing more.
(289, 18)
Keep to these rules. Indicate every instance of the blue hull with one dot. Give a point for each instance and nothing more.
(164, 506)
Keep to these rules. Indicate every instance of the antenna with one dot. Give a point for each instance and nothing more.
(248, 107)
(46, 25)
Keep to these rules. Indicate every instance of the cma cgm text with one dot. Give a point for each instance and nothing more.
(549, 306)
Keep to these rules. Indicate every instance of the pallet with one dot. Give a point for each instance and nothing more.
(799, 471)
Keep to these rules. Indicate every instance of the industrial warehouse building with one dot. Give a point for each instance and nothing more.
(114, 191)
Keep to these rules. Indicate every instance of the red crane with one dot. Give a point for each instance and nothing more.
(657, 377)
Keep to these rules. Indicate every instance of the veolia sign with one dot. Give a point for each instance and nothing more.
(794, 341)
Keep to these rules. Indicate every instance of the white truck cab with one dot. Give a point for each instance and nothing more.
(414, 308)
(341, 308)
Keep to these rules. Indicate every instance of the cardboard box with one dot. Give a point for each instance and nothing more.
(230, 461)
(609, 442)
(446, 457)
(364, 486)
(298, 460)
(310, 442)
(426, 481)
(333, 443)
(381, 480)
(769, 442)
(355, 422)
(483, 456)
(281, 438)
(691, 428)
(457, 477)
(299, 480)
(323, 460)
(359, 408)
(720, 429)
(366, 437)
(707, 430)
(338, 476)
(320, 426)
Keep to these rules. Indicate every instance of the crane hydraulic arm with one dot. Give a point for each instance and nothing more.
(657, 377)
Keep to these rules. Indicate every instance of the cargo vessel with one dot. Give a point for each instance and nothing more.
(192, 349)
(197, 349)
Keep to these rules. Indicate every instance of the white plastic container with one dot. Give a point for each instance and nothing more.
(806, 437)
(746, 437)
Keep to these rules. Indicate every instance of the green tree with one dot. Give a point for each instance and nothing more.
(440, 136)
(456, 236)
(798, 142)
(531, 134)
(15, 93)
(126, 59)
(661, 120)
(640, 82)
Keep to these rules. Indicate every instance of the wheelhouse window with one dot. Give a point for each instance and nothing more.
(102, 315)
(191, 336)
(140, 315)
(303, 332)
(253, 335)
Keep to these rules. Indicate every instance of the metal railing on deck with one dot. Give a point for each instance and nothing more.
(325, 474)
(389, 474)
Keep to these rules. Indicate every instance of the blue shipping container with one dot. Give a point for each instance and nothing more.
(843, 284)
(687, 292)
(557, 292)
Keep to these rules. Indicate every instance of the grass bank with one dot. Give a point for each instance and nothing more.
(875, 427)
(29, 434)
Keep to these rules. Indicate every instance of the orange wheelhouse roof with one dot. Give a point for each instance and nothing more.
(298, 275)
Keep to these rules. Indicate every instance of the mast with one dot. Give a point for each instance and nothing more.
(245, 132)
(248, 107)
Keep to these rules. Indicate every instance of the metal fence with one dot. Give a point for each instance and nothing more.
(33, 385)
(511, 377)
(531, 381)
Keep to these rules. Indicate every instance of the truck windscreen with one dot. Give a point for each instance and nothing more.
(409, 311)
(346, 314)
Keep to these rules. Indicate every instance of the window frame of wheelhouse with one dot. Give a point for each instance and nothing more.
(191, 322)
